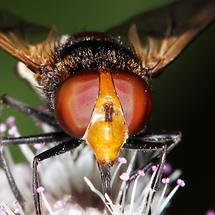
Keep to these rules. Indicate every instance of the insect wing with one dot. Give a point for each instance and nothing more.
(20, 39)
(158, 36)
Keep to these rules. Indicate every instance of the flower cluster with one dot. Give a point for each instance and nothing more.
(70, 184)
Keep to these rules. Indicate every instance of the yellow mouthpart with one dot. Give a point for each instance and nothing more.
(107, 130)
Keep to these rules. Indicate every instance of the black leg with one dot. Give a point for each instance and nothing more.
(57, 137)
(32, 112)
(163, 142)
(152, 142)
(17, 194)
(157, 178)
(160, 168)
(57, 150)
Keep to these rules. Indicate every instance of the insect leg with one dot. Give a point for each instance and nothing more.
(152, 142)
(56, 150)
(17, 194)
(54, 137)
(32, 112)
(57, 137)
(164, 142)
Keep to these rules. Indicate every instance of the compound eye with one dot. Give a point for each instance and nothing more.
(136, 101)
(75, 100)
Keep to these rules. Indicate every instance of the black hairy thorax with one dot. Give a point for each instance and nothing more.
(87, 52)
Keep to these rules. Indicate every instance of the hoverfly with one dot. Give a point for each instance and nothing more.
(97, 84)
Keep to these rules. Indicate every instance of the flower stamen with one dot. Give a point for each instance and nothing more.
(180, 183)
(121, 161)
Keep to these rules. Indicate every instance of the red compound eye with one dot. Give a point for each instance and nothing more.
(135, 98)
(76, 98)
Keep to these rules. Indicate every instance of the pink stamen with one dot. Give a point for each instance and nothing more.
(167, 168)
(58, 204)
(40, 189)
(165, 180)
(3, 127)
(124, 176)
(122, 160)
(180, 182)
(154, 168)
(11, 121)
(13, 131)
(210, 212)
(140, 173)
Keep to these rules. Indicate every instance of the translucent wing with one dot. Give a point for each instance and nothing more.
(16, 38)
(158, 36)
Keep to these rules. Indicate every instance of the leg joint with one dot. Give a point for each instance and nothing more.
(36, 161)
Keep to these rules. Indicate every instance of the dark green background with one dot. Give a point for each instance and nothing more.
(183, 94)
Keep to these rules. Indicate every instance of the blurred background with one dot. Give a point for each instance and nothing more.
(183, 95)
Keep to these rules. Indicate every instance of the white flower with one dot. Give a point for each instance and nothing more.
(71, 184)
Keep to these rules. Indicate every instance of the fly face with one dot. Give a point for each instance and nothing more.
(97, 86)
(94, 90)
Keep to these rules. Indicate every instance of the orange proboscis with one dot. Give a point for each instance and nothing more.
(107, 130)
